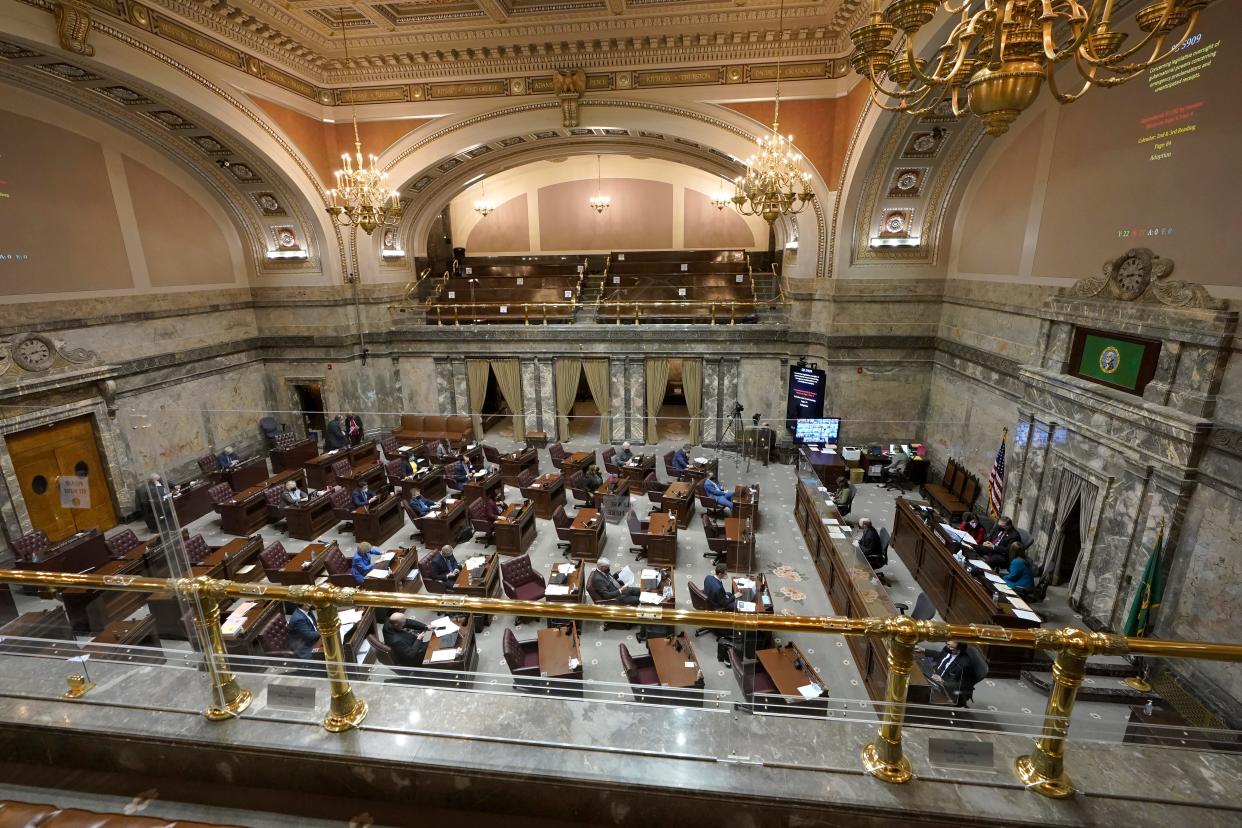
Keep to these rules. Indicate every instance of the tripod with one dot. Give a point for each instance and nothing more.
(735, 426)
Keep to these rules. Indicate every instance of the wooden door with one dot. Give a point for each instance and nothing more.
(42, 456)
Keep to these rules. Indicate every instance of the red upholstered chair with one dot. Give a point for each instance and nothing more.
(640, 672)
(556, 453)
(389, 445)
(273, 637)
(582, 495)
(525, 478)
(339, 568)
(414, 519)
(521, 581)
(668, 465)
(655, 491)
(705, 500)
(522, 658)
(383, 653)
(31, 545)
(220, 493)
(483, 520)
(640, 535)
(121, 543)
(284, 440)
(717, 544)
(609, 456)
(750, 675)
(208, 464)
(342, 506)
(491, 454)
(342, 468)
(699, 602)
(196, 549)
(392, 468)
(562, 522)
(275, 503)
(273, 558)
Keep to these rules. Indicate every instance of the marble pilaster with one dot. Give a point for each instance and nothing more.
(711, 400)
(636, 422)
(445, 400)
(546, 397)
(461, 388)
(530, 397)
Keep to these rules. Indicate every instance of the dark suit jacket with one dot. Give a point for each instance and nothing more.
(624, 455)
(716, 593)
(302, 633)
(440, 567)
(226, 459)
(407, 649)
(958, 675)
(680, 461)
(1001, 539)
(605, 585)
(360, 498)
(334, 437)
(869, 545)
(294, 497)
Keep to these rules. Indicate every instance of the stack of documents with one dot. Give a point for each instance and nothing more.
(443, 655)
(649, 598)
(745, 606)
(442, 627)
(475, 561)
(556, 589)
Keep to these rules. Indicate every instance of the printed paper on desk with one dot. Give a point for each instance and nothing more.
(649, 573)
(745, 606)
(232, 624)
(691, 664)
(626, 576)
(980, 564)
(700, 461)
(744, 583)
(826, 521)
(442, 655)
(443, 626)
(833, 522)
(811, 691)
(556, 589)
(350, 616)
(386, 557)
(1028, 616)
(1018, 603)
(405, 448)
(822, 488)
(1005, 589)
(475, 561)
(836, 533)
(243, 608)
(377, 573)
(246, 570)
(649, 598)
(994, 578)
(566, 568)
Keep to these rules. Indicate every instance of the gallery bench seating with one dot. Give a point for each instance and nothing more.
(955, 493)
(676, 256)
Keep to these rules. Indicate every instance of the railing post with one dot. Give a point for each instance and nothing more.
(228, 699)
(883, 758)
(1043, 771)
(346, 710)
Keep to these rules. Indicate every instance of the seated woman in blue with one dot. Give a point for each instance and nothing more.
(362, 562)
(1020, 575)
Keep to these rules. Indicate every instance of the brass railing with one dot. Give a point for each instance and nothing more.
(467, 312)
(718, 312)
(1042, 770)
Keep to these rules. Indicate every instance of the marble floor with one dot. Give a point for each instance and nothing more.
(1002, 705)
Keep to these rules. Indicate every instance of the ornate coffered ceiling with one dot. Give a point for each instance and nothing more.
(411, 40)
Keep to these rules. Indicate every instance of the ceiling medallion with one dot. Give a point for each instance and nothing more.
(996, 59)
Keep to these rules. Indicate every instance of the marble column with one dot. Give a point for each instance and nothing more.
(711, 400)
(546, 403)
(461, 389)
(636, 422)
(619, 399)
(529, 370)
(445, 398)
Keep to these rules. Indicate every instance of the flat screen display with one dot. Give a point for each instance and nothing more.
(806, 395)
(821, 431)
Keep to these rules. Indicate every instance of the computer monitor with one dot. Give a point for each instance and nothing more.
(822, 431)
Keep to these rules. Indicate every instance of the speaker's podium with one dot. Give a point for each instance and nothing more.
(757, 442)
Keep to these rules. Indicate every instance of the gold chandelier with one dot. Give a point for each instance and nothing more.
(598, 202)
(361, 196)
(999, 54)
(484, 206)
(774, 184)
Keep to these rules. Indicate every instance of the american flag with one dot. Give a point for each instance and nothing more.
(996, 482)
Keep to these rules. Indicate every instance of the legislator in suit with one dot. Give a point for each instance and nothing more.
(443, 567)
(334, 438)
(303, 632)
(407, 638)
(716, 588)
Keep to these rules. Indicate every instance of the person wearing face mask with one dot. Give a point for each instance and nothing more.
(970, 525)
(949, 669)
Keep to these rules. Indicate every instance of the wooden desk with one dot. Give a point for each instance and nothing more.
(312, 519)
(514, 463)
(93, 610)
(428, 481)
(365, 453)
(82, 552)
(474, 455)
(662, 546)
(446, 526)
(396, 576)
(679, 501)
(113, 643)
(230, 560)
(456, 671)
(488, 485)
(851, 586)
(245, 474)
(746, 505)
(380, 522)
(515, 529)
(958, 595)
(556, 647)
(244, 641)
(616, 494)
(587, 535)
(762, 590)
(636, 471)
(579, 461)
(572, 581)
(246, 513)
(666, 584)
(319, 474)
(696, 472)
(780, 663)
(546, 493)
(675, 663)
(192, 501)
(483, 583)
(830, 468)
(740, 545)
(293, 457)
(372, 474)
(302, 568)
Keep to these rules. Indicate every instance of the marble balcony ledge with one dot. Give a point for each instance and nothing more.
(536, 756)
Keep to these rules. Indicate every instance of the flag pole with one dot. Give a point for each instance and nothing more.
(1141, 682)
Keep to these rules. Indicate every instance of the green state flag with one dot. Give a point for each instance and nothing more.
(1111, 360)
(1151, 590)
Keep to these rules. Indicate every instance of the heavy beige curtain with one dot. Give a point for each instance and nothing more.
(509, 377)
(692, 386)
(476, 387)
(597, 378)
(567, 372)
(657, 380)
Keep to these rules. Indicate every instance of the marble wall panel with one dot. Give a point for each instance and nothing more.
(619, 399)
(461, 389)
(636, 384)
(547, 396)
(762, 384)
(530, 396)
(711, 400)
(420, 385)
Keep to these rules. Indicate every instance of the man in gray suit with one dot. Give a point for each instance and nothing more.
(603, 586)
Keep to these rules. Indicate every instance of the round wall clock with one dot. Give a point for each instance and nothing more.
(33, 352)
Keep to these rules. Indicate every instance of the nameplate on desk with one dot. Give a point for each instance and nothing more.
(960, 753)
(292, 696)
(649, 612)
